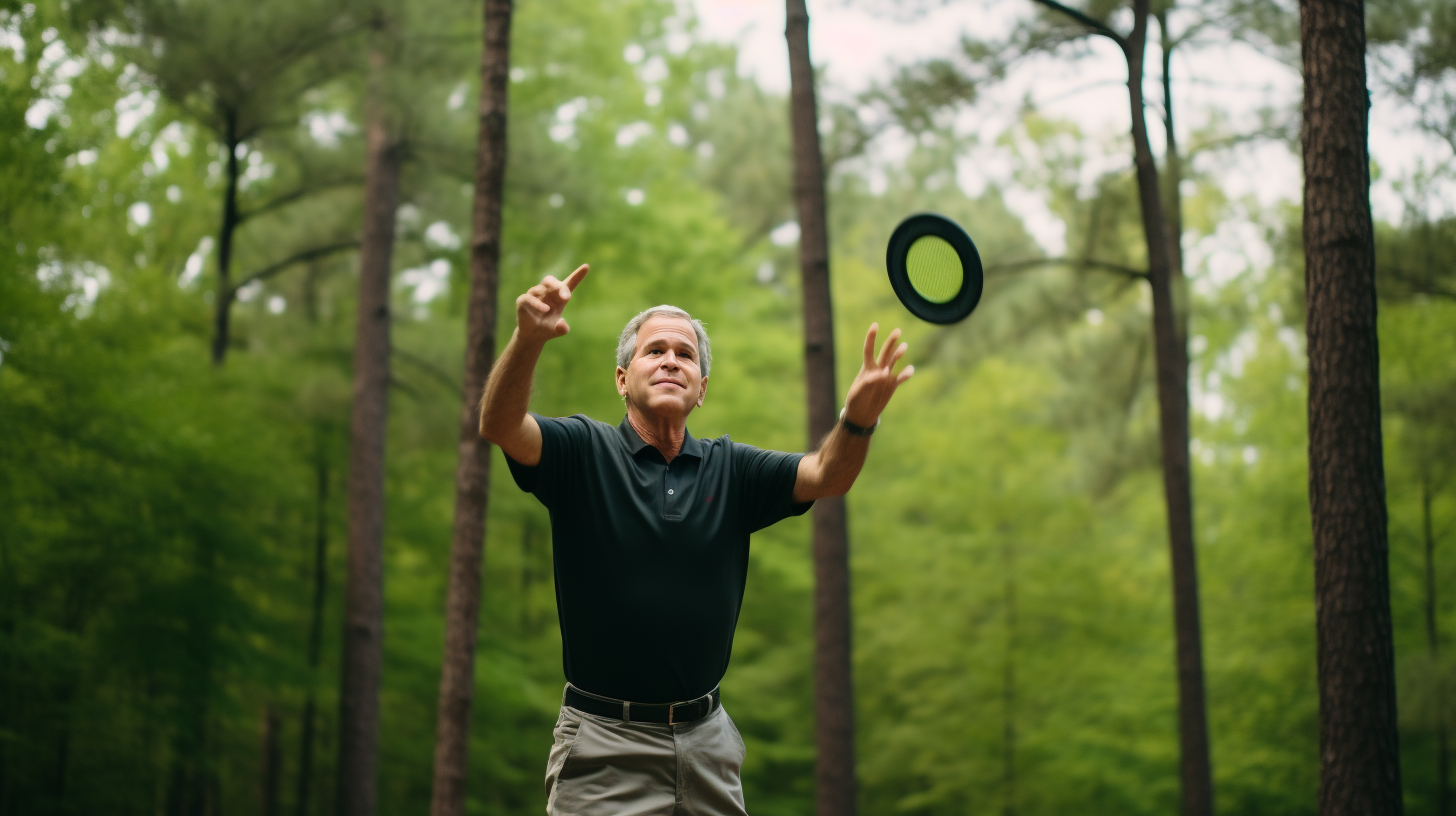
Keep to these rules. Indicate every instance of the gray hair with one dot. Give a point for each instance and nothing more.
(627, 343)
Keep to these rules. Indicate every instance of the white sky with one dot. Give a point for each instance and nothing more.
(857, 47)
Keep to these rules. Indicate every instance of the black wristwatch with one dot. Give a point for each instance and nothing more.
(857, 430)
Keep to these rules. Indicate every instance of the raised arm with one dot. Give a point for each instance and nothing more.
(831, 470)
(503, 417)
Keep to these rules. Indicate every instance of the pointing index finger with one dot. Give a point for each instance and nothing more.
(575, 278)
(869, 347)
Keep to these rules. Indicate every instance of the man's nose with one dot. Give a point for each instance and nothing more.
(669, 360)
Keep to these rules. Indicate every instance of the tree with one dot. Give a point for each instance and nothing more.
(472, 475)
(1171, 364)
(364, 588)
(1359, 754)
(833, 685)
(240, 72)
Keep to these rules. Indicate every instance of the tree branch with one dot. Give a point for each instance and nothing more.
(1095, 25)
(1083, 263)
(434, 371)
(302, 257)
(290, 197)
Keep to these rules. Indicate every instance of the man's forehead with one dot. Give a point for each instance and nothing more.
(663, 326)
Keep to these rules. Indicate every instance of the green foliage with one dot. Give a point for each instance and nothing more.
(1013, 650)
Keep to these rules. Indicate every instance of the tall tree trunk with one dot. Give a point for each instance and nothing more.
(835, 785)
(1433, 648)
(315, 629)
(1171, 357)
(1173, 173)
(472, 473)
(364, 590)
(225, 292)
(1359, 744)
(271, 771)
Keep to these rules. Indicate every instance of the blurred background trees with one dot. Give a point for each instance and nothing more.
(171, 579)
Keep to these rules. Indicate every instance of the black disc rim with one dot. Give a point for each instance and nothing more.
(973, 279)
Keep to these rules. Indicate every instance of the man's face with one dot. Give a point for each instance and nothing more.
(663, 378)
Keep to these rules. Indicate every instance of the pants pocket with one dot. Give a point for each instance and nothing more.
(568, 727)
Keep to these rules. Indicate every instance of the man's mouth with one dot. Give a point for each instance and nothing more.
(672, 383)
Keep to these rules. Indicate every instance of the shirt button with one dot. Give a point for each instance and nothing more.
(669, 491)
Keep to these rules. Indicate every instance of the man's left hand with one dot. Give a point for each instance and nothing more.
(876, 381)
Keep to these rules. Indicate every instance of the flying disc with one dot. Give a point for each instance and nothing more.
(934, 268)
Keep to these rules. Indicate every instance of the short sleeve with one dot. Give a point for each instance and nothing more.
(563, 441)
(766, 485)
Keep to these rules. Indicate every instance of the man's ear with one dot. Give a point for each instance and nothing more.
(702, 391)
(621, 382)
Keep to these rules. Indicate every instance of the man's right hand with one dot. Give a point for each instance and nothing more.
(538, 311)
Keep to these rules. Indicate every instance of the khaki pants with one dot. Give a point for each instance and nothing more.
(605, 767)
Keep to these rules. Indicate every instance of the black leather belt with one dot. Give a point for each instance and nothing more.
(684, 712)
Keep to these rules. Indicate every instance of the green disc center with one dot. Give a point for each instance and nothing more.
(934, 269)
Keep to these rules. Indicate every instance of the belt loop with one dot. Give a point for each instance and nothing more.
(626, 711)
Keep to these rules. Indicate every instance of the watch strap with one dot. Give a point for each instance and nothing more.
(857, 430)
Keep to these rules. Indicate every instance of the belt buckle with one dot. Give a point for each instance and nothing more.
(671, 709)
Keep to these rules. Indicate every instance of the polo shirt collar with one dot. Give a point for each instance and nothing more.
(690, 446)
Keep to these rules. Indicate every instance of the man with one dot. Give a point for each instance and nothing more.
(650, 532)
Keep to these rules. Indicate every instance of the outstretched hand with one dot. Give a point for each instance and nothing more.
(538, 311)
(877, 380)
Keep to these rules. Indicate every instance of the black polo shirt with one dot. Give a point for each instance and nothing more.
(651, 558)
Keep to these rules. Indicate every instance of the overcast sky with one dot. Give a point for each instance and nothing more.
(857, 47)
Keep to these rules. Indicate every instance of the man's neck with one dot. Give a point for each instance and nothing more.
(664, 433)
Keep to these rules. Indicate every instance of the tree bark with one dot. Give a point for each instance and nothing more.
(472, 473)
(1171, 359)
(1173, 171)
(223, 305)
(835, 782)
(1359, 757)
(364, 591)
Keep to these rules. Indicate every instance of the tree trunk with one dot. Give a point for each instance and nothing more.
(1171, 356)
(833, 687)
(1433, 648)
(1173, 171)
(1359, 759)
(315, 630)
(364, 591)
(472, 473)
(223, 305)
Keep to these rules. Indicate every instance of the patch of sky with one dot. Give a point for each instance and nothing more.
(785, 234)
(654, 70)
(426, 282)
(629, 134)
(439, 235)
(193, 268)
(457, 97)
(326, 127)
(250, 290)
(564, 126)
(133, 109)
